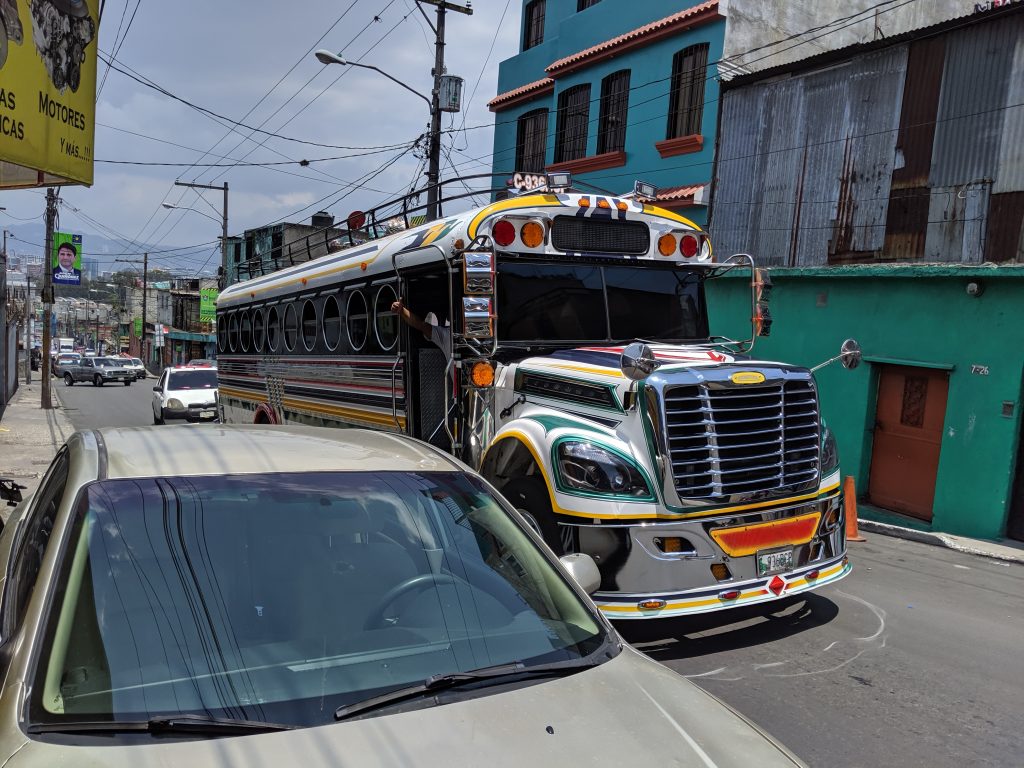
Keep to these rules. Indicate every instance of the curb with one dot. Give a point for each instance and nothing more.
(942, 540)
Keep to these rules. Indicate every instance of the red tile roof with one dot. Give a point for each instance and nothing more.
(698, 14)
(677, 194)
(522, 93)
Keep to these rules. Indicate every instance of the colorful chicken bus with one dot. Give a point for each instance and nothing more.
(582, 380)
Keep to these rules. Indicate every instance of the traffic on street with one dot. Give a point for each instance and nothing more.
(547, 383)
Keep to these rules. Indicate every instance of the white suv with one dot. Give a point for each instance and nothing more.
(185, 393)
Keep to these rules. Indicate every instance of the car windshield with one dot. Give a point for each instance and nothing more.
(107, 362)
(197, 379)
(136, 361)
(282, 597)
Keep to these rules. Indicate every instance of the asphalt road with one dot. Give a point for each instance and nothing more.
(112, 405)
(915, 659)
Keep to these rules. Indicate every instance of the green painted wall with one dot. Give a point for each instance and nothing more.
(906, 313)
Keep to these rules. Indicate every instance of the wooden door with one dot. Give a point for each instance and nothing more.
(909, 419)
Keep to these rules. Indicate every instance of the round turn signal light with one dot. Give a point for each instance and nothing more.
(532, 234)
(666, 245)
(482, 374)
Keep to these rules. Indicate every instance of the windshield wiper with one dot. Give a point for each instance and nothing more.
(200, 724)
(494, 675)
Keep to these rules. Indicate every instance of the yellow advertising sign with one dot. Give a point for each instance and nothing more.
(47, 91)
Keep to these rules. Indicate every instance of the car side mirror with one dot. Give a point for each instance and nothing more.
(10, 492)
(583, 569)
(156, 389)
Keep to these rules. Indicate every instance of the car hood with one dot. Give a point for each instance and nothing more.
(192, 396)
(628, 711)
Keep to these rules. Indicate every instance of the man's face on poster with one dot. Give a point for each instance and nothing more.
(66, 257)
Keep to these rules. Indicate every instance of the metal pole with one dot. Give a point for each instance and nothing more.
(224, 233)
(28, 327)
(145, 292)
(434, 169)
(51, 216)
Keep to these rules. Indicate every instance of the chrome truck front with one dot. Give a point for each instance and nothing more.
(737, 454)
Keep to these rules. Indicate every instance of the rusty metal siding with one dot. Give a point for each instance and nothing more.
(1010, 175)
(1005, 241)
(925, 61)
(956, 223)
(975, 84)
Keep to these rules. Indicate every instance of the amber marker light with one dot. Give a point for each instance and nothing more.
(482, 374)
(602, 203)
(532, 234)
(622, 206)
(666, 245)
(651, 605)
(584, 202)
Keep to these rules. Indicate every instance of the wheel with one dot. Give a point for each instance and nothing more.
(127, 383)
(69, 379)
(530, 496)
(376, 619)
(97, 380)
(159, 419)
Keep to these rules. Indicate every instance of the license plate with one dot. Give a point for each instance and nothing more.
(207, 414)
(774, 561)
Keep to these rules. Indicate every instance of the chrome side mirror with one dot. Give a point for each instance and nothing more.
(638, 362)
(584, 571)
(851, 354)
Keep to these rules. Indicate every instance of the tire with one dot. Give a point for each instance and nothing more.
(97, 380)
(127, 383)
(158, 420)
(69, 380)
(530, 496)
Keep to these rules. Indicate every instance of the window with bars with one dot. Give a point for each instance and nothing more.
(611, 127)
(533, 27)
(571, 130)
(531, 141)
(686, 104)
(582, 4)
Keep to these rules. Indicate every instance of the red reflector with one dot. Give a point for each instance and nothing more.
(777, 585)
(504, 232)
(747, 539)
(689, 245)
(813, 575)
(732, 594)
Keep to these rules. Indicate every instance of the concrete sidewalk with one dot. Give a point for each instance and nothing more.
(30, 437)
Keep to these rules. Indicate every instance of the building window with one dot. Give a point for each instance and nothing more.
(531, 141)
(611, 129)
(686, 105)
(583, 4)
(573, 115)
(533, 33)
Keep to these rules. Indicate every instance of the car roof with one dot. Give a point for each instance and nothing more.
(256, 448)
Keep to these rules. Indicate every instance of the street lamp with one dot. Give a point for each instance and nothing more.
(434, 156)
(194, 210)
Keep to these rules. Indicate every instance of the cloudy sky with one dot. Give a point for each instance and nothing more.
(253, 62)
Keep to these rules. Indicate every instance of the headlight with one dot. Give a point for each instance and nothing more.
(829, 451)
(175, 403)
(588, 467)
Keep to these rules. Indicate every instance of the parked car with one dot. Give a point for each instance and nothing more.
(98, 371)
(134, 365)
(185, 393)
(211, 596)
(59, 364)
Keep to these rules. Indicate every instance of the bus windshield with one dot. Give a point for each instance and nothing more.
(585, 303)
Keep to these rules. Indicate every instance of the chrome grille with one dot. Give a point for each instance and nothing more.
(726, 440)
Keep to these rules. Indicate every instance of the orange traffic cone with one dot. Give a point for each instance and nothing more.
(850, 502)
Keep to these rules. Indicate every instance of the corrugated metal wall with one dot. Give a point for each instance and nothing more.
(900, 153)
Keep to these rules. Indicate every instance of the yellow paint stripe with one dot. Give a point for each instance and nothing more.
(357, 414)
(700, 603)
(512, 204)
(601, 371)
(248, 295)
(653, 210)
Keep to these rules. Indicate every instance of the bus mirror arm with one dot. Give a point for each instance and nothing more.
(850, 353)
(506, 412)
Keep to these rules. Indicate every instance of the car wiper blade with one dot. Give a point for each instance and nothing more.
(496, 674)
(200, 724)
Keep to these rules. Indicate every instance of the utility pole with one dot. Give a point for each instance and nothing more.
(434, 154)
(28, 327)
(51, 217)
(145, 291)
(224, 217)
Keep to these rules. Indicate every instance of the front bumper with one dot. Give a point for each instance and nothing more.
(122, 377)
(642, 578)
(192, 413)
